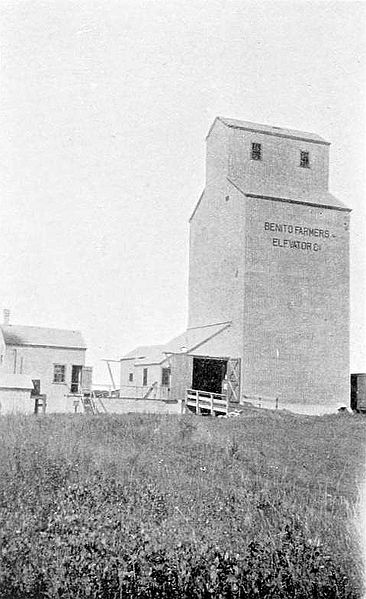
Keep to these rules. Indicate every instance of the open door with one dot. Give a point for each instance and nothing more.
(208, 374)
(86, 379)
(76, 379)
(233, 379)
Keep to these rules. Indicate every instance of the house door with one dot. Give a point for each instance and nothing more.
(76, 379)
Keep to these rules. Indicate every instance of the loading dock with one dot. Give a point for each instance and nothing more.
(209, 374)
(215, 385)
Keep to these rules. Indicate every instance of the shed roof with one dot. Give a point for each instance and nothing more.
(270, 130)
(142, 351)
(195, 336)
(15, 381)
(42, 336)
(186, 342)
(321, 199)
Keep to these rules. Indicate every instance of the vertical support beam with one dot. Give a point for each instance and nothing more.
(181, 375)
(111, 374)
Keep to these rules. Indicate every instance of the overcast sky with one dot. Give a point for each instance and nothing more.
(105, 106)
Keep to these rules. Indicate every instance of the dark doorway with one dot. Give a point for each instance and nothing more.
(353, 392)
(358, 392)
(76, 379)
(36, 387)
(208, 374)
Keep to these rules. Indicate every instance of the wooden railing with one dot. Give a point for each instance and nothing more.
(204, 401)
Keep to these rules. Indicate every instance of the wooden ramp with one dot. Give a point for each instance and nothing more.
(204, 402)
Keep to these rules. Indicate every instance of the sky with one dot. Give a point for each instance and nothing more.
(104, 109)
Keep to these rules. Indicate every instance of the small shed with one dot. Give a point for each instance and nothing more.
(15, 394)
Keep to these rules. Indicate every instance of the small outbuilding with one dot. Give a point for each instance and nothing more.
(16, 394)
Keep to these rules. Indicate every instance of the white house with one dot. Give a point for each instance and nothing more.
(40, 360)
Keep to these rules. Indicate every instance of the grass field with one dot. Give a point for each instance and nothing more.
(181, 507)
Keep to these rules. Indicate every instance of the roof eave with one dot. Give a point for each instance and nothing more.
(317, 140)
(196, 206)
(45, 345)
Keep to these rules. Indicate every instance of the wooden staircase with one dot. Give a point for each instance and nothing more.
(153, 387)
(92, 404)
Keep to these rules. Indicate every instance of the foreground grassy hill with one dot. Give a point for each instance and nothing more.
(181, 507)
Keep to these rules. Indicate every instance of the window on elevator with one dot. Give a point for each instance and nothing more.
(256, 151)
(304, 159)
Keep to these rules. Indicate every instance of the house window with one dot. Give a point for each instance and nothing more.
(130, 377)
(165, 377)
(144, 377)
(59, 373)
(304, 159)
(256, 151)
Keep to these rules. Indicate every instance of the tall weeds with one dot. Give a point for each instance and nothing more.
(180, 507)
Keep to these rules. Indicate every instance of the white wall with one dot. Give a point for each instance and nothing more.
(38, 363)
(16, 401)
(278, 173)
(136, 388)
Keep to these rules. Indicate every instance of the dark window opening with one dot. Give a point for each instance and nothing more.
(165, 377)
(144, 377)
(59, 373)
(256, 151)
(304, 159)
(130, 377)
(76, 379)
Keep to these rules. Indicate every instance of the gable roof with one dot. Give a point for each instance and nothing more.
(270, 130)
(42, 336)
(186, 342)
